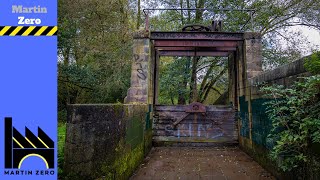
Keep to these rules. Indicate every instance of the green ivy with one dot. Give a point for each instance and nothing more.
(295, 115)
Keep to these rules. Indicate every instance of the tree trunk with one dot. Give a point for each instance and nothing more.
(181, 13)
(189, 14)
(172, 101)
(193, 82)
(199, 4)
(211, 83)
(183, 85)
(139, 15)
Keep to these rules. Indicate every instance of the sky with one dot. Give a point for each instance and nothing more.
(312, 35)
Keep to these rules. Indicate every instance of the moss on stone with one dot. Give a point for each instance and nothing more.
(125, 163)
(120, 155)
(147, 141)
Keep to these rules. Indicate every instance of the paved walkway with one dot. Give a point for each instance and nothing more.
(200, 163)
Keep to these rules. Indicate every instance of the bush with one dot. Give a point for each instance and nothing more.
(312, 64)
(61, 142)
(295, 115)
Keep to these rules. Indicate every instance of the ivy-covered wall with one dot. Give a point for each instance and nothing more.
(254, 124)
(106, 141)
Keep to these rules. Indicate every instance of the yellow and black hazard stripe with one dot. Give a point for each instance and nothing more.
(28, 30)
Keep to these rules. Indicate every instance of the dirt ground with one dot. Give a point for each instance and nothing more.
(225, 163)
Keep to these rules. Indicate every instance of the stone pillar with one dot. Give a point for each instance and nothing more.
(241, 70)
(138, 91)
(253, 66)
(252, 54)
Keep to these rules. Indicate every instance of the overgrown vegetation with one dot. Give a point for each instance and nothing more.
(94, 52)
(312, 64)
(295, 115)
(61, 142)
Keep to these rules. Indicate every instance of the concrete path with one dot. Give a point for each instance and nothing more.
(225, 163)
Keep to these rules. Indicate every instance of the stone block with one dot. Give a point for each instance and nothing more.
(140, 81)
(146, 49)
(252, 35)
(138, 48)
(137, 91)
(141, 34)
(254, 66)
(146, 42)
(252, 73)
(137, 99)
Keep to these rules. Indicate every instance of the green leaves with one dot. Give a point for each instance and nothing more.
(174, 76)
(95, 49)
(312, 64)
(295, 116)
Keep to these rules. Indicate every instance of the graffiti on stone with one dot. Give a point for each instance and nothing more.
(141, 67)
(137, 58)
(141, 71)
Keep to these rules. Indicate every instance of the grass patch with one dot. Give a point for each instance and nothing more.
(61, 142)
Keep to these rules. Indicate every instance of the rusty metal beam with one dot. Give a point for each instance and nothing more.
(226, 49)
(193, 53)
(194, 43)
(218, 36)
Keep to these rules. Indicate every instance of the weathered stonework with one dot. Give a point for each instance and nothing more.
(252, 54)
(107, 141)
(138, 91)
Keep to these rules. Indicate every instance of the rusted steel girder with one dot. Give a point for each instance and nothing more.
(194, 43)
(193, 53)
(223, 49)
(223, 36)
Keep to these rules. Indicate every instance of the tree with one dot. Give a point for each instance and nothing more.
(272, 19)
(94, 49)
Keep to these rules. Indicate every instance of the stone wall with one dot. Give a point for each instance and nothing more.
(106, 141)
(254, 125)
